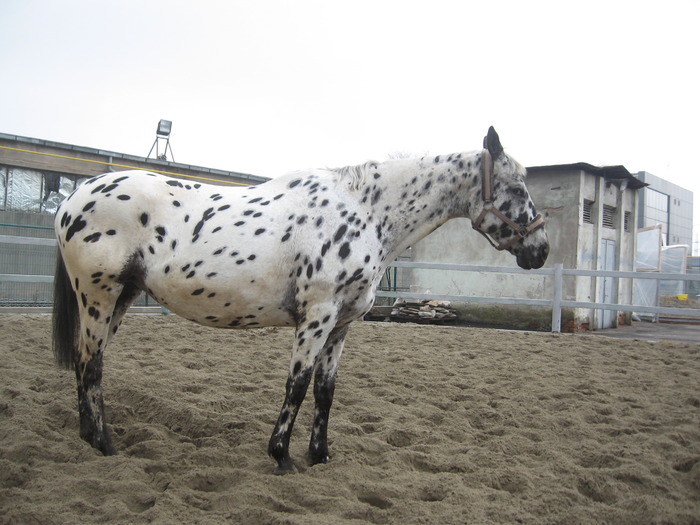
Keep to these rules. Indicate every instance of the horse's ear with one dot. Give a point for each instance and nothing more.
(493, 143)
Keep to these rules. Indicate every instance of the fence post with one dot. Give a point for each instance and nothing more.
(557, 284)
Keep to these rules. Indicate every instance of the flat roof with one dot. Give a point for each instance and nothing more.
(254, 179)
(609, 173)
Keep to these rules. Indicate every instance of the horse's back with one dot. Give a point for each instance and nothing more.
(222, 256)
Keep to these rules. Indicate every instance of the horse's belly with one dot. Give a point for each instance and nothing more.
(226, 305)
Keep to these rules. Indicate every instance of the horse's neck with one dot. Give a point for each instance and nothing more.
(420, 195)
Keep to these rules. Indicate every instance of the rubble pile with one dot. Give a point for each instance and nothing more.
(422, 311)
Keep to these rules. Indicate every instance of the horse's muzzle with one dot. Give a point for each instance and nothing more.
(532, 256)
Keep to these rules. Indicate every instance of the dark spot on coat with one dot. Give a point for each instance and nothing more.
(78, 225)
(93, 237)
(340, 232)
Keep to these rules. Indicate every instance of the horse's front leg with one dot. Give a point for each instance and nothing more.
(310, 339)
(278, 448)
(324, 388)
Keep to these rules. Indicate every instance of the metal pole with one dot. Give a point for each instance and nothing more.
(556, 299)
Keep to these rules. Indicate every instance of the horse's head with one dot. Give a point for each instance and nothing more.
(502, 210)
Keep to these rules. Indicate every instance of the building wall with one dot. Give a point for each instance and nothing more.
(559, 197)
(665, 200)
(35, 176)
(44, 166)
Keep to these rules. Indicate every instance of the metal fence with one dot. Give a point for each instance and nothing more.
(557, 302)
(27, 267)
(26, 272)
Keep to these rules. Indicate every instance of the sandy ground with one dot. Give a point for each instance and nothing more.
(430, 425)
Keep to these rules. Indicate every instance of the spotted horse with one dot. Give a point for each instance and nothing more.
(306, 250)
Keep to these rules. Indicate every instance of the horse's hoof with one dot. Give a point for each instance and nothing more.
(286, 467)
(316, 460)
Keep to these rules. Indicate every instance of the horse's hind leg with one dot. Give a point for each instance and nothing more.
(88, 371)
(99, 321)
(324, 388)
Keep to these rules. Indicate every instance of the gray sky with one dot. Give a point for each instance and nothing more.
(266, 87)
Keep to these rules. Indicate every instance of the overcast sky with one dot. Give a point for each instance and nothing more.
(266, 87)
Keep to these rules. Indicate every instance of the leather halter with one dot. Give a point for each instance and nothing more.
(487, 192)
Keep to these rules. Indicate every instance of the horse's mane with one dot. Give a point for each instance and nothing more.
(356, 174)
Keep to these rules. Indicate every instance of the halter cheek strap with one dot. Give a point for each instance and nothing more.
(487, 192)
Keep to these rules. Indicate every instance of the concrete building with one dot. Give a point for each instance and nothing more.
(665, 203)
(35, 173)
(35, 176)
(590, 215)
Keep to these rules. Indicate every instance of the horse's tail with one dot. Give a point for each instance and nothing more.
(65, 316)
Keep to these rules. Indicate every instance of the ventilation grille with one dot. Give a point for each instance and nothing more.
(587, 211)
(608, 216)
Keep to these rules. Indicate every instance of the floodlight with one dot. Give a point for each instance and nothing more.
(162, 133)
(164, 127)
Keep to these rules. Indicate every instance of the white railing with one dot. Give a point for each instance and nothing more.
(556, 302)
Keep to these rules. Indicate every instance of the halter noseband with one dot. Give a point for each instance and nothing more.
(487, 191)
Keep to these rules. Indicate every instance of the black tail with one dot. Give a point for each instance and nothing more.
(65, 316)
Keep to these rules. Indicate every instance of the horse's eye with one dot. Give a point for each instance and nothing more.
(519, 192)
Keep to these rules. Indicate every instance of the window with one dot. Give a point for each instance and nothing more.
(608, 216)
(656, 210)
(628, 221)
(587, 211)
